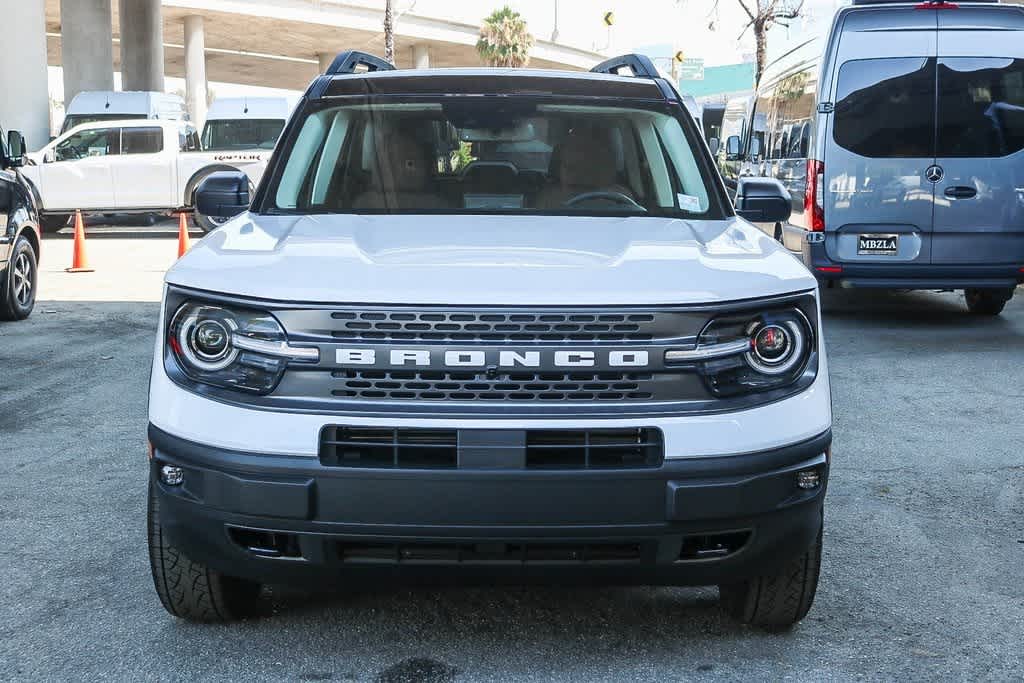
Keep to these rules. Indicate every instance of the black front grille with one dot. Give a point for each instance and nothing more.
(472, 386)
(414, 448)
(489, 553)
(493, 326)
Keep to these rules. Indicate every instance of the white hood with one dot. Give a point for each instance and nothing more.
(497, 260)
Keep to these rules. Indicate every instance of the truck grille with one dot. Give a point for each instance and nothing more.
(416, 448)
(493, 326)
(470, 386)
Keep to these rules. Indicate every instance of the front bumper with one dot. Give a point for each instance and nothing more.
(289, 519)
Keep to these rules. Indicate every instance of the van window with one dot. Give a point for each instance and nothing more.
(885, 108)
(142, 140)
(981, 107)
(97, 142)
(72, 120)
(223, 135)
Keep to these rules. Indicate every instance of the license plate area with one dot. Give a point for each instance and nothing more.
(874, 244)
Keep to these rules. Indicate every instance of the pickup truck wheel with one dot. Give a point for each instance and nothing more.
(53, 222)
(987, 301)
(18, 296)
(190, 590)
(208, 223)
(776, 601)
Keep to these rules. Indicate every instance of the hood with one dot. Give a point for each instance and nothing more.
(489, 260)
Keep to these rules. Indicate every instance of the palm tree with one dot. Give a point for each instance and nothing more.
(389, 32)
(764, 14)
(505, 39)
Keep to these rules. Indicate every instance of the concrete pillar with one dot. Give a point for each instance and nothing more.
(142, 45)
(195, 69)
(420, 57)
(86, 44)
(25, 103)
(325, 59)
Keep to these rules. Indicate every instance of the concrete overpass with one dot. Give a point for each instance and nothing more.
(274, 43)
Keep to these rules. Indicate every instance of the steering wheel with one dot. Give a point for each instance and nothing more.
(616, 197)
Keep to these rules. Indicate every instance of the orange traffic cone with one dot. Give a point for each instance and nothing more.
(79, 260)
(183, 242)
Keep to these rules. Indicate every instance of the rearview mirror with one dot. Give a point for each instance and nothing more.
(223, 194)
(16, 148)
(763, 200)
(713, 145)
(732, 147)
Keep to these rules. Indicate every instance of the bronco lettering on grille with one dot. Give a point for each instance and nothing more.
(582, 358)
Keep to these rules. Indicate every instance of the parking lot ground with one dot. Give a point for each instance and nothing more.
(923, 571)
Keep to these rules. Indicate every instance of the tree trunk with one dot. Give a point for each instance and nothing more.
(761, 39)
(389, 33)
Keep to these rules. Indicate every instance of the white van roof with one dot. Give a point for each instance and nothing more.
(251, 108)
(131, 102)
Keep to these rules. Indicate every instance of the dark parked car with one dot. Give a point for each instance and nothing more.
(19, 241)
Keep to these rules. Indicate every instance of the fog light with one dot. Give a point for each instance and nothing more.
(173, 476)
(808, 479)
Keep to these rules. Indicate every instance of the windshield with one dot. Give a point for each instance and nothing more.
(227, 134)
(72, 120)
(494, 155)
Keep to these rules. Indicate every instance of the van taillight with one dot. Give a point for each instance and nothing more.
(814, 196)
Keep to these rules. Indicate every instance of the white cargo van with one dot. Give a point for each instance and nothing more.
(103, 105)
(234, 123)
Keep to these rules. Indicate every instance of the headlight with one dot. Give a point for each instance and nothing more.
(743, 353)
(234, 348)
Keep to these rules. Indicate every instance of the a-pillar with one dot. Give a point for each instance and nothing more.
(142, 45)
(195, 69)
(25, 105)
(86, 45)
(420, 57)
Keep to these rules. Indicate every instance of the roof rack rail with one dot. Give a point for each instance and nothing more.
(640, 65)
(349, 61)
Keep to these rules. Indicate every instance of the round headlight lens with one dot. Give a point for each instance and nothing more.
(776, 347)
(204, 337)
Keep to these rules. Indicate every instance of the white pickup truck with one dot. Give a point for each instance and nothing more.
(144, 166)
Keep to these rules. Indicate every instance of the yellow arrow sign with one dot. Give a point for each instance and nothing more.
(609, 18)
(679, 57)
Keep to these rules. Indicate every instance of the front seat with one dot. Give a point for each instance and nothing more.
(583, 162)
(401, 176)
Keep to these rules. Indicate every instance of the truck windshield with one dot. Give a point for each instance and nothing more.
(494, 155)
(72, 120)
(221, 135)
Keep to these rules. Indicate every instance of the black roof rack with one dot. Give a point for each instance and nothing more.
(348, 62)
(640, 65)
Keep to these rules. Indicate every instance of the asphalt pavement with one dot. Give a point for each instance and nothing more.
(922, 577)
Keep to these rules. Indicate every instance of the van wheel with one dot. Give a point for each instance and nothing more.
(776, 601)
(987, 301)
(190, 590)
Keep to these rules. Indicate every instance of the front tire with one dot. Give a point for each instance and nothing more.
(987, 301)
(776, 601)
(190, 590)
(18, 296)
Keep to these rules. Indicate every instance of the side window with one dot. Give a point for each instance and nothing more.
(981, 107)
(142, 140)
(885, 108)
(97, 142)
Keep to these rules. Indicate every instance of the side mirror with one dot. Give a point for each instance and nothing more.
(713, 144)
(732, 147)
(223, 194)
(16, 147)
(763, 200)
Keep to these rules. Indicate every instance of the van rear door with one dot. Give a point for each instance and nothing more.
(879, 142)
(979, 200)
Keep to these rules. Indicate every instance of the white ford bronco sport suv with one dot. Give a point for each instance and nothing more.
(489, 321)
